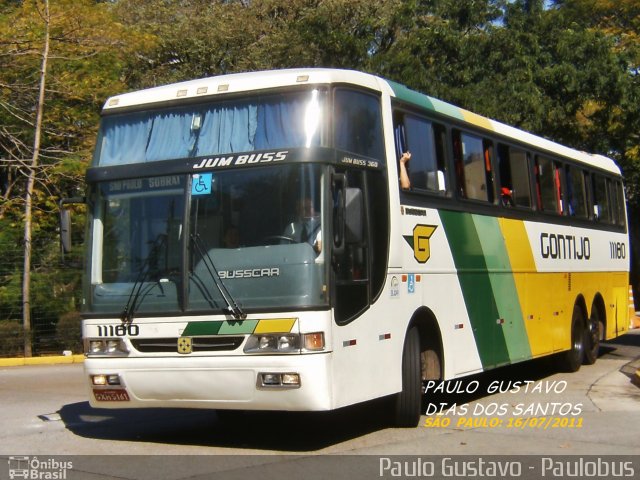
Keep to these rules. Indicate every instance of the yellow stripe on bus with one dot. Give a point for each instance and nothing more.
(531, 287)
(275, 325)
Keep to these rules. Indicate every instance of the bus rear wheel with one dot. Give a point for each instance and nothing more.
(571, 360)
(592, 336)
(408, 402)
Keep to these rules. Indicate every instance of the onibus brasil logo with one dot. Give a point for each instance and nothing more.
(38, 469)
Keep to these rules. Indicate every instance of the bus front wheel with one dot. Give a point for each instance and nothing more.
(408, 401)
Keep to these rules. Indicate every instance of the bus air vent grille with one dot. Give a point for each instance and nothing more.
(199, 344)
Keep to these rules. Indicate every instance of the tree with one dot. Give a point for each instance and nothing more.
(274, 34)
(31, 174)
(55, 61)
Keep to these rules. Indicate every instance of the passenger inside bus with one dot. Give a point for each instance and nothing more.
(306, 226)
(405, 183)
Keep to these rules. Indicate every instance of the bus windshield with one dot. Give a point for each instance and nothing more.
(286, 120)
(176, 243)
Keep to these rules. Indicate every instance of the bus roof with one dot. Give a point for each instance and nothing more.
(264, 80)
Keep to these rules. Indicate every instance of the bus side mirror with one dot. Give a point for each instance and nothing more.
(348, 212)
(65, 231)
(353, 215)
(65, 223)
(339, 185)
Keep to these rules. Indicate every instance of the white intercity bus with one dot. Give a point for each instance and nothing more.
(249, 246)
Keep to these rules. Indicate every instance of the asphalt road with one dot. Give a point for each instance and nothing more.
(595, 411)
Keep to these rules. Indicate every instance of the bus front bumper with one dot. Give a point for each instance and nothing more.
(239, 382)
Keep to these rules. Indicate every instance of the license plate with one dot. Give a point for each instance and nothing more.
(111, 395)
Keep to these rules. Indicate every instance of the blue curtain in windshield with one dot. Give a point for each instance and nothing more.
(218, 129)
(280, 124)
(125, 138)
(171, 136)
(228, 129)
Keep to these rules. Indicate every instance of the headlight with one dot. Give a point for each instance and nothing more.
(273, 343)
(285, 343)
(106, 346)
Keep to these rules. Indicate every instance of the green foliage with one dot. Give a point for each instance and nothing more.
(12, 336)
(69, 332)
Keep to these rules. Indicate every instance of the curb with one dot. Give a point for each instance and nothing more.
(50, 360)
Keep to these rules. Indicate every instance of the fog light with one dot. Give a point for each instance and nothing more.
(99, 379)
(271, 379)
(278, 380)
(291, 379)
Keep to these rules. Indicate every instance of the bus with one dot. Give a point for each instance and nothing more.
(249, 246)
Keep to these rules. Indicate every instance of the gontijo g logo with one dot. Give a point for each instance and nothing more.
(419, 241)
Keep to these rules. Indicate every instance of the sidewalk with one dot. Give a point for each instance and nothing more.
(45, 360)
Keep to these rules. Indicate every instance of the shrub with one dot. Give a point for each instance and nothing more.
(69, 332)
(11, 339)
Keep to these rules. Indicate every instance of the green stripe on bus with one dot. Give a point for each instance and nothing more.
(195, 329)
(477, 289)
(504, 288)
(404, 94)
(220, 327)
(239, 327)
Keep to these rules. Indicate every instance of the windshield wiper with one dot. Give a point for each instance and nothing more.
(232, 306)
(136, 291)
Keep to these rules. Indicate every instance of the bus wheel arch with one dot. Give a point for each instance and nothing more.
(431, 348)
(421, 357)
(594, 330)
(571, 359)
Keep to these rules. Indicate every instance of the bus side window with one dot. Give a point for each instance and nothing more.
(358, 123)
(547, 184)
(576, 192)
(440, 137)
(558, 177)
(515, 185)
(616, 202)
(601, 206)
(619, 193)
(424, 140)
(472, 158)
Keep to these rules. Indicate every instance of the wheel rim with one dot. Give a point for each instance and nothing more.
(594, 331)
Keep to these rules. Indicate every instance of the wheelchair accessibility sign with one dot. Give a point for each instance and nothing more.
(201, 183)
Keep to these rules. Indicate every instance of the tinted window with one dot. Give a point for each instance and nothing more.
(424, 140)
(548, 185)
(576, 192)
(601, 208)
(622, 218)
(515, 186)
(357, 123)
(473, 166)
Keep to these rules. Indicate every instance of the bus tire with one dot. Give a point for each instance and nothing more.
(571, 360)
(592, 338)
(408, 401)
